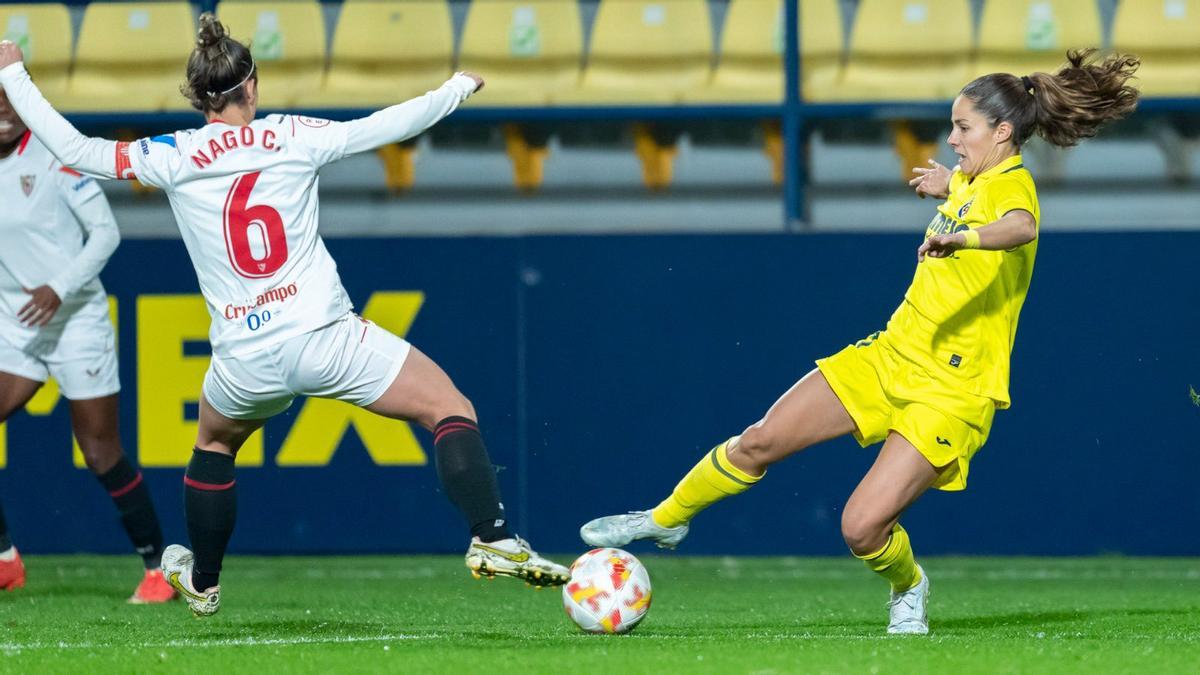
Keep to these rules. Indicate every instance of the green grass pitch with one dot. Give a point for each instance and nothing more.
(723, 615)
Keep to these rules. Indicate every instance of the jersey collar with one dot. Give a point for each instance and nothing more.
(1005, 166)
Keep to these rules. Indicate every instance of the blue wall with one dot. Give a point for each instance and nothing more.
(602, 367)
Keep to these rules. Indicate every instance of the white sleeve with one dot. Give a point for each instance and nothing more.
(331, 141)
(93, 156)
(87, 202)
(151, 161)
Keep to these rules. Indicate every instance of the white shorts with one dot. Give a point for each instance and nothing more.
(351, 360)
(81, 356)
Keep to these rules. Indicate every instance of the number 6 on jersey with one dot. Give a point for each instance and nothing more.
(254, 235)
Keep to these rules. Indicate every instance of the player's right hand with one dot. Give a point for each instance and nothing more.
(478, 80)
(10, 53)
(934, 181)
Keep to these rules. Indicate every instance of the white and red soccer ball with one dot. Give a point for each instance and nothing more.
(609, 591)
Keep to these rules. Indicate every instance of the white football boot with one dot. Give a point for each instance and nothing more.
(514, 558)
(177, 568)
(907, 609)
(617, 531)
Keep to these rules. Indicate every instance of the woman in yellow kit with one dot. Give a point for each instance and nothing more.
(929, 384)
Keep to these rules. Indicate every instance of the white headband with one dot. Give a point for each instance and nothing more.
(253, 66)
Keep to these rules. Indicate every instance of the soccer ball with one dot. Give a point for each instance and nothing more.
(609, 591)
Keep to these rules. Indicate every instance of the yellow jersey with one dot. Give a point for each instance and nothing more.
(959, 317)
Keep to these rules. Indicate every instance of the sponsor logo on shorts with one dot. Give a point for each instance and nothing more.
(91, 373)
(942, 441)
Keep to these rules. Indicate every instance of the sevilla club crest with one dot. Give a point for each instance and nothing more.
(27, 184)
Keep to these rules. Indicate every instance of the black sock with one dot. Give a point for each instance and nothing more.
(5, 542)
(132, 498)
(210, 503)
(469, 478)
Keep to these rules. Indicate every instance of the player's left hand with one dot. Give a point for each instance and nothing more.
(41, 307)
(941, 246)
(10, 53)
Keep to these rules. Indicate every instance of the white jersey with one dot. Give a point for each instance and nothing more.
(245, 200)
(47, 209)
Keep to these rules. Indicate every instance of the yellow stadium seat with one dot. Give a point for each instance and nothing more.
(527, 50)
(1027, 36)
(645, 52)
(386, 52)
(288, 43)
(907, 50)
(752, 44)
(131, 56)
(44, 34)
(1166, 35)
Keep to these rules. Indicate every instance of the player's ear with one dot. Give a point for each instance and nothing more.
(1003, 132)
(252, 92)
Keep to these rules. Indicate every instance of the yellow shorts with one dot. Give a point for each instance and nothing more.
(886, 392)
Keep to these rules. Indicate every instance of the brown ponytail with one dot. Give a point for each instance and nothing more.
(217, 68)
(1064, 107)
(1075, 102)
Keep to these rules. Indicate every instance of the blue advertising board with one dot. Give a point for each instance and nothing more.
(603, 367)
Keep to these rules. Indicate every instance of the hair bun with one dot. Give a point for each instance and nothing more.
(211, 31)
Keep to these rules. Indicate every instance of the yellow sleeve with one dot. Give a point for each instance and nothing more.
(1009, 194)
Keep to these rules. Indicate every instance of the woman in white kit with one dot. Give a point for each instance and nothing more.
(54, 322)
(244, 193)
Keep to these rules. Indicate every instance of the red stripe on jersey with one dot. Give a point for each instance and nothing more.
(69, 171)
(124, 168)
(24, 141)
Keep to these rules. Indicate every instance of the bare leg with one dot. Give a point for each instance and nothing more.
(807, 414)
(221, 434)
(96, 427)
(422, 393)
(899, 476)
(15, 392)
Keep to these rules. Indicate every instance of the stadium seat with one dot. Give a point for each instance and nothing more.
(43, 32)
(131, 56)
(528, 51)
(1166, 35)
(645, 52)
(385, 53)
(907, 50)
(288, 43)
(1026, 36)
(750, 69)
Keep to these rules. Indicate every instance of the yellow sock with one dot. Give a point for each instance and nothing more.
(711, 480)
(895, 561)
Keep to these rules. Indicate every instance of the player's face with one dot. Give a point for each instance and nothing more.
(978, 144)
(11, 126)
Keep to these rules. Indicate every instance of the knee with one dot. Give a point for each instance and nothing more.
(454, 405)
(760, 446)
(100, 450)
(862, 533)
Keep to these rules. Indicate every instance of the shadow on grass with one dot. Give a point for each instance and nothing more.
(1043, 618)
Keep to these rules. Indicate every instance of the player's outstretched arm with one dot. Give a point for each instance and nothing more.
(405, 120)
(1013, 229)
(93, 156)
